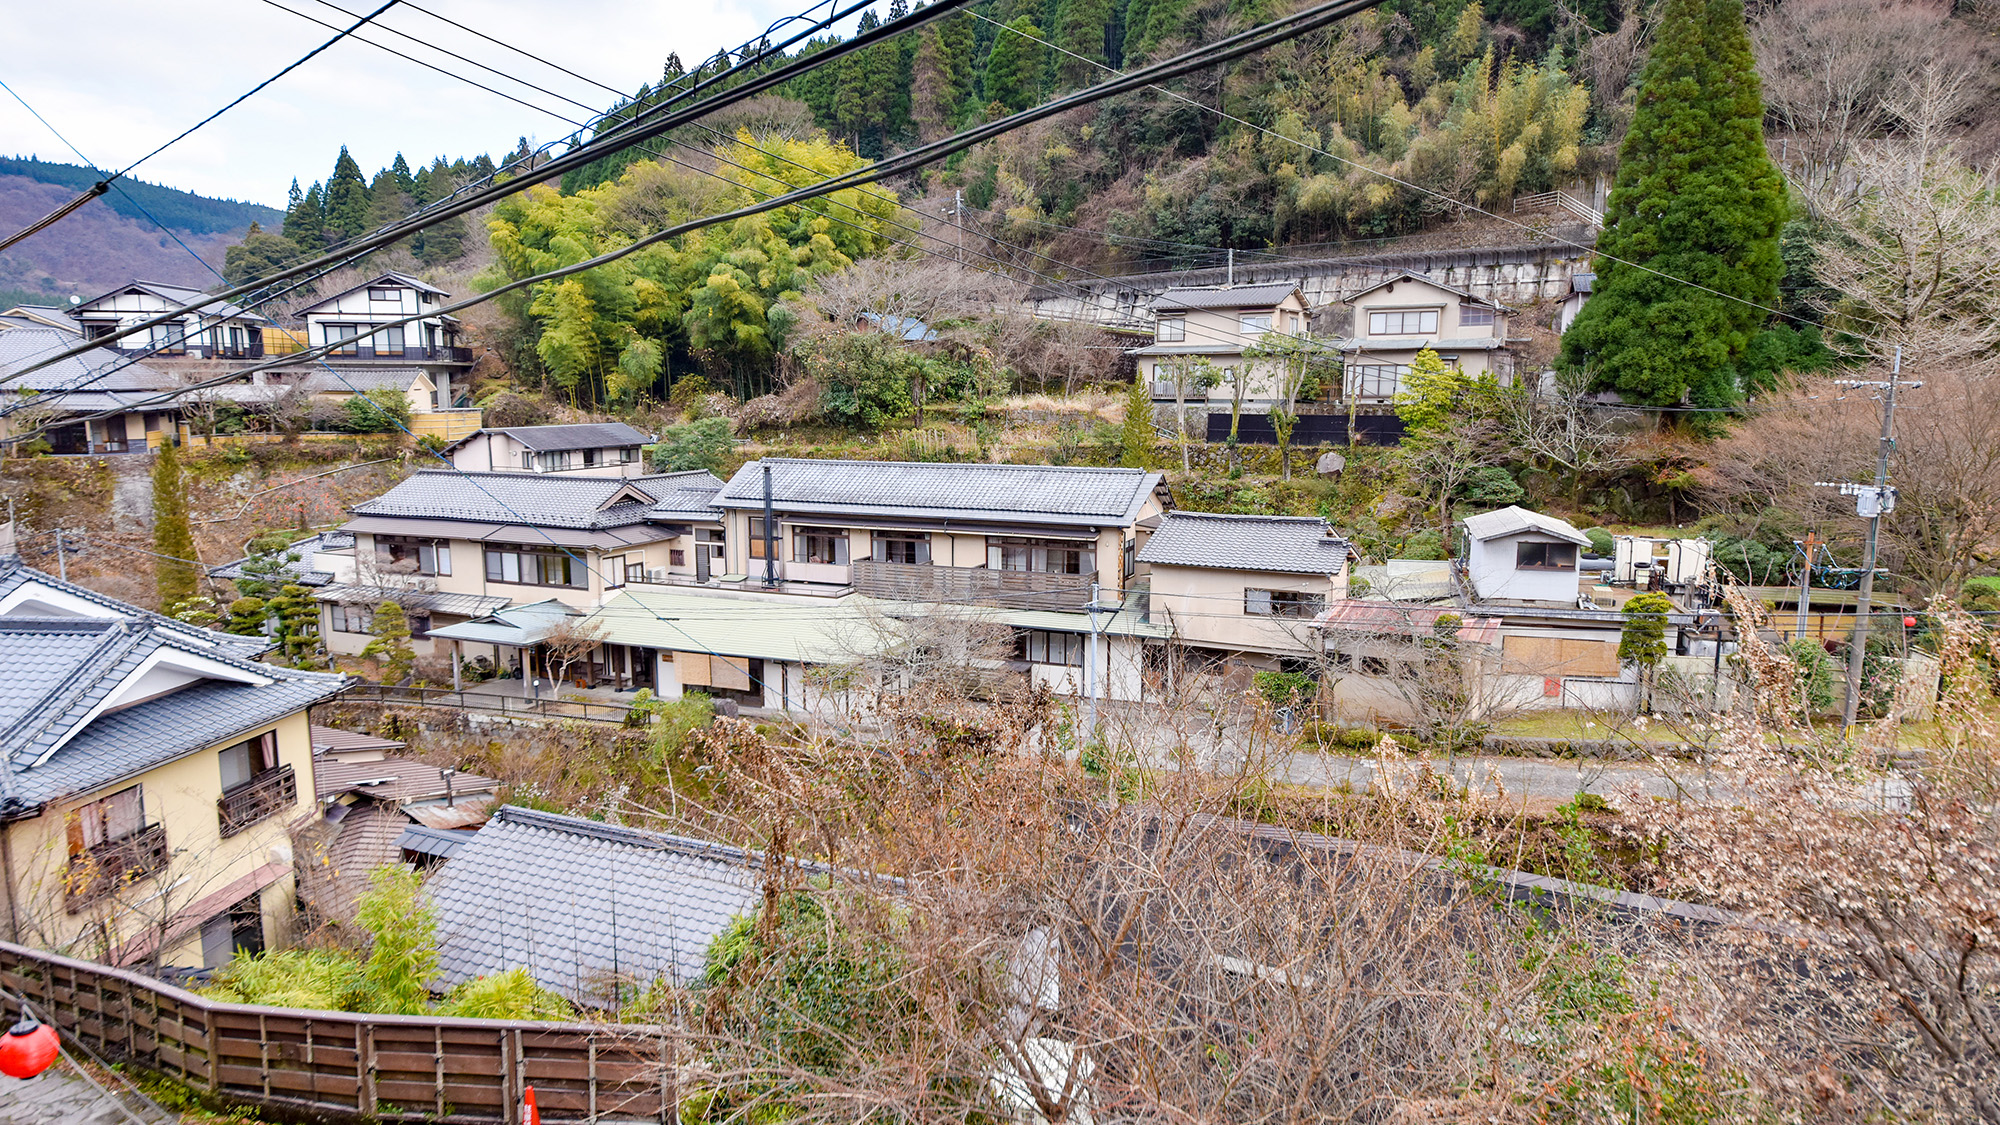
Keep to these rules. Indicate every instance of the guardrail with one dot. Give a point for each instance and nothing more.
(547, 707)
(352, 1065)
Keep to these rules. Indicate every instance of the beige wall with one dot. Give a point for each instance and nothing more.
(468, 570)
(1412, 294)
(1219, 332)
(204, 875)
(499, 453)
(1205, 607)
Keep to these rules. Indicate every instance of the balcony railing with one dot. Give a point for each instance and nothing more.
(439, 354)
(268, 793)
(97, 871)
(961, 585)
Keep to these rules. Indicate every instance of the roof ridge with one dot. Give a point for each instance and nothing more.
(947, 465)
(64, 694)
(621, 834)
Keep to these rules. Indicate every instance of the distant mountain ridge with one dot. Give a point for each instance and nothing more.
(181, 210)
(110, 241)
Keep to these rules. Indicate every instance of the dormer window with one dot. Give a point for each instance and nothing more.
(1403, 322)
(1545, 556)
(1256, 324)
(1171, 330)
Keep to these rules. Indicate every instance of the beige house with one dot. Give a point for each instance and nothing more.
(1218, 325)
(1397, 318)
(138, 400)
(154, 774)
(597, 449)
(1245, 586)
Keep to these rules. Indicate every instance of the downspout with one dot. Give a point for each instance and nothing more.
(770, 535)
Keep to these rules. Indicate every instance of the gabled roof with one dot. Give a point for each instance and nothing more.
(1411, 275)
(1268, 544)
(396, 781)
(99, 369)
(574, 901)
(357, 379)
(175, 296)
(27, 592)
(1515, 520)
(39, 316)
(88, 698)
(298, 556)
(585, 435)
(389, 277)
(689, 497)
(1073, 496)
(558, 500)
(1224, 296)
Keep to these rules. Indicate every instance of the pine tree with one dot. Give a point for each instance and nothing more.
(247, 616)
(1697, 200)
(1081, 27)
(173, 536)
(400, 171)
(1015, 68)
(305, 221)
(392, 643)
(346, 200)
(1136, 436)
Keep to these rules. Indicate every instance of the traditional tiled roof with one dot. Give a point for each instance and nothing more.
(575, 901)
(690, 498)
(423, 601)
(298, 565)
(1036, 494)
(535, 499)
(392, 277)
(584, 435)
(20, 347)
(1411, 275)
(177, 295)
(27, 592)
(1271, 544)
(395, 780)
(1225, 297)
(1514, 520)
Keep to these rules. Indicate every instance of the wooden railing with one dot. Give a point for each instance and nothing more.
(964, 585)
(348, 1065)
(97, 871)
(266, 794)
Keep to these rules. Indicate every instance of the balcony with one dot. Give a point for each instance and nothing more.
(100, 870)
(961, 585)
(264, 795)
(418, 354)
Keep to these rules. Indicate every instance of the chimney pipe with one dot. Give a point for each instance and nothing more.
(770, 535)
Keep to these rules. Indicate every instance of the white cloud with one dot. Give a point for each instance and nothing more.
(120, 78)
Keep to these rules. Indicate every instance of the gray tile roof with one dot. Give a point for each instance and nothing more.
(357, 379)
(459, 605)
(536, 499)
(690, 497)
(393, 277)
(181, 295)
(587, 435)
(438, 843)
(1412, 275)
(1225, 297)
(1037, 494)
(1270, 544)
(18, 582)
(573, 901)
(298, 566)
(335, 740)
(1514, 519)
(21, 346)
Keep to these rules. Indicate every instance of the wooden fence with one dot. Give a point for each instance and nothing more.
(349, 1065)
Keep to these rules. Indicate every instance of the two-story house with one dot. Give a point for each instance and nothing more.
(138, 400)
(152, 775)
(219, 330)
(449, 546)
(433, 343)
(599, 449)
(1245, 587)
(1397, 318)
(1219, 324)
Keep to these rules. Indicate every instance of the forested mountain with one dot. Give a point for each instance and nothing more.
(135, 198)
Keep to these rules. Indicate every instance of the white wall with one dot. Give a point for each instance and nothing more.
(1491, 566)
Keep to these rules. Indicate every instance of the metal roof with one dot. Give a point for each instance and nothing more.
(395, 780)
(1225, 297)
(574, 901)
(1267, 544)
(1354, 615)
(1033, 494)
(458, 605)
(438, 843)
(586, 435)
(514, 626)
(749, 625)
(335, 740)
(1516, 520)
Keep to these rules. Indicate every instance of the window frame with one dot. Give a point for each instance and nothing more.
(1545, 551)
(1435, 316)
(1290, 605)
(1255, 323)
(1170, 330)
(1361, 377)
(375, 293)
(833, 537)
(1477, 316)
(260, 755)
(438, 552)
(498, 556)
(1034, 646)
(1035, 554)
(885, 543)
(95, 818)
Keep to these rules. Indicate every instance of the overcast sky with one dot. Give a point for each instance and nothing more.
(119, 77)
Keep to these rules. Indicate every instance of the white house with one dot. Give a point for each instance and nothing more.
(1219, 324)
(593, 449)
(213, 331)
(434, 341)
(1580, 285)
(1518, 556)
(1397, 318)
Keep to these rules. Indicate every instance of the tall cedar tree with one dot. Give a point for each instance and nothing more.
(346, 200)
(1082, 28)
(1015, 68)
(173, 535)
(1697, 200)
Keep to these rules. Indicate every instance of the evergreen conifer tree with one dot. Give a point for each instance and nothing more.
(1697, 200)
(346, 199)
(400, 172)
(1081, 27)
(173, 535)
(1136, 436)
(305, 221)
(1015, 68)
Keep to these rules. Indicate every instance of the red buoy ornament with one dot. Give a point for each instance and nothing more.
(28, 1049)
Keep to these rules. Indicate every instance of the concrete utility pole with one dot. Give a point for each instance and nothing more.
(62, 559)
(1870, 502)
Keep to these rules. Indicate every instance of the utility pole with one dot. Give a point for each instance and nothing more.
(1231, 274)
(1805, 583)
(62, 560)
(1870, 502)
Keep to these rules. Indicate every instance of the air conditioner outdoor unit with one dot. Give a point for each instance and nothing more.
(657, 574)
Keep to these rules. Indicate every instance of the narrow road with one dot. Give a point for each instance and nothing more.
(1553, 779)
(59, 1096)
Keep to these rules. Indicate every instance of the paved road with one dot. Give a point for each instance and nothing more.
(1555, 779)
(57, 1096)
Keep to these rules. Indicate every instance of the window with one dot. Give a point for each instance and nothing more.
(1170, 330)
(521, 566)
(757, 537)
(1375, 380)
(527, 458)
(428, 298)
(342, 332)
(405, 554)
(420, 624)
(1545, 556)
(242, 762)
(614, 570)
(389, 341)
(590, 458)
(1471, 316)
(903, 546)
(1403, 322)
(172, 335)
(353, 619)
(98, 331)
(1038, 647)
(1041, 556)
(677, 557)
(110, 819)
(386, 295)
(553, 462)
(819, 545)
(1131, 557)
(628, 454)
(1295, 324)
(1257, 324)
(1282, 603)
